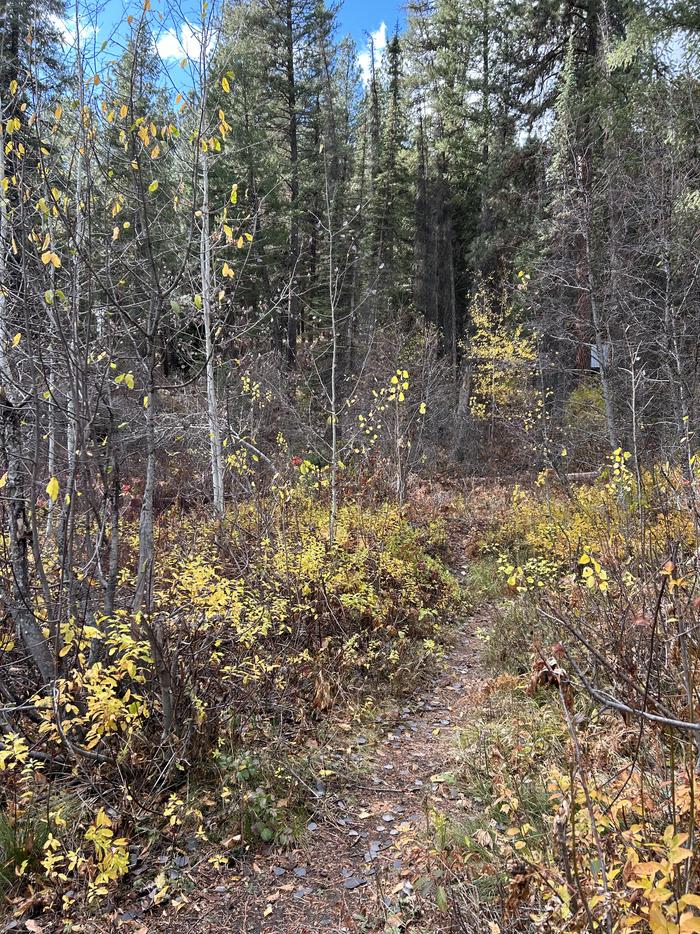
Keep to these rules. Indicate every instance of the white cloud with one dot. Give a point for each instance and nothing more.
(66, 29)
(364, 59)
(185, 45)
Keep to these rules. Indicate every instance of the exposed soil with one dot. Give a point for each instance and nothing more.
(369, 850)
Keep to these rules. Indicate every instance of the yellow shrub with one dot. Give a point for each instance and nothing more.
(257, 614)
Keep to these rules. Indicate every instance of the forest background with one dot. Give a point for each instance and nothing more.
(280, 317)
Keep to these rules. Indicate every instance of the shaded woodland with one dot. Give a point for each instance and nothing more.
(313, 358)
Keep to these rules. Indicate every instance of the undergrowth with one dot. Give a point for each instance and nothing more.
(580, 765)
(212, 710)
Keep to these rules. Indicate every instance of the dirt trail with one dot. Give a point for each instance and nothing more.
(368, 845)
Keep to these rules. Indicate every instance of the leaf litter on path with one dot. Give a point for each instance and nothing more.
(365, 854)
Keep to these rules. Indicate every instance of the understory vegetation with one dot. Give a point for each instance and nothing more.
(196, 718)
(582, 763)
(331, 367)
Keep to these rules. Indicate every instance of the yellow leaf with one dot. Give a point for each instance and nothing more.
(225, 85)
(678, 854)
(153, 186)
(3, 480)
(52, 489)
(658, 922)
(660, 894)
(234, 194)
(16, 339)
(123, 111)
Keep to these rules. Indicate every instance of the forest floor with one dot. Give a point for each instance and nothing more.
(367, 861)
(369, 857)
(417, 801)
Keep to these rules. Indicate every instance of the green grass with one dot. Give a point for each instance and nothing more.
(509, 640)
(21, 840)
(483, 582)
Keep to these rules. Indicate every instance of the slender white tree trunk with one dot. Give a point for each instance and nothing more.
(4, 243)
(73, 394)
(205, 263)
(333, 388)
(217, 454)
(142, 592)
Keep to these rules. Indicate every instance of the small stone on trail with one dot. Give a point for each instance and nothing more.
(354, 882)
(300, 893)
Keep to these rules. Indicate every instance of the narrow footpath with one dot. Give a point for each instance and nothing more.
(368, 859)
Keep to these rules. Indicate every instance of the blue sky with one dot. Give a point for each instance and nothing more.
(177, 37)
(378, 18)
(359, 17)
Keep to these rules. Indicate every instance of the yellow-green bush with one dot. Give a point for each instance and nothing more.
(592, 805)
(256, 619)
(604, 518)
